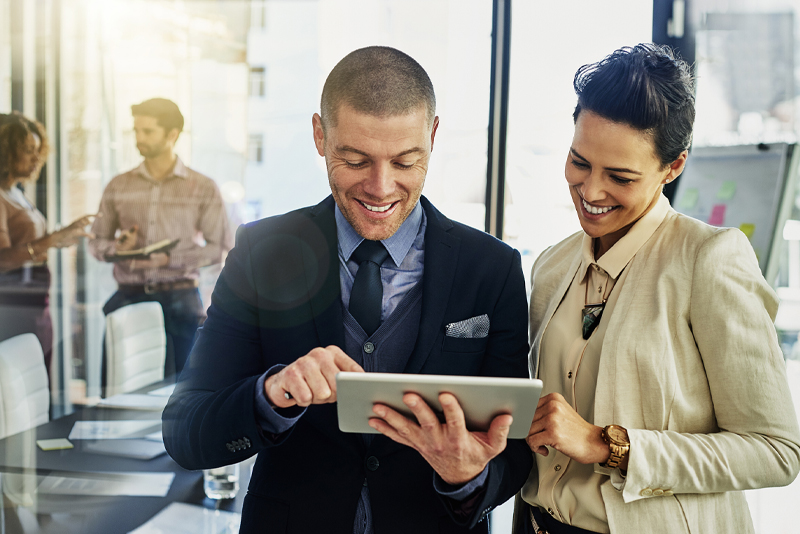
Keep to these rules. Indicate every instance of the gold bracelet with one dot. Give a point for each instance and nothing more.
(31, 251)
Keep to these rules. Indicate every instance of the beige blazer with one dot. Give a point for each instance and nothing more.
(691, 366)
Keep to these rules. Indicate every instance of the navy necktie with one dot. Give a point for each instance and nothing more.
(367, 293)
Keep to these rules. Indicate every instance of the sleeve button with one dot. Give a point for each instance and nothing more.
(647, 492)
(658, 492)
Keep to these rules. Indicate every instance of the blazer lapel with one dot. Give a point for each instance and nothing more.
(441, 259)
(555, 301)
(325, 299)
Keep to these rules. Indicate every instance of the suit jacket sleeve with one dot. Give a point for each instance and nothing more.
(507, 355)
(758, 443)
(210, 419)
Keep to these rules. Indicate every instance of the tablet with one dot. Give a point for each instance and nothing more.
(482, 398)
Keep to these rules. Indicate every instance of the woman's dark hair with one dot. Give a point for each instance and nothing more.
(646, 87)
(14, 131)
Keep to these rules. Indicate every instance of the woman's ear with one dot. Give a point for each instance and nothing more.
(676, 167)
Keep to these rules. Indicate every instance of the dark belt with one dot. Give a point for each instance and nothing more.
(157, 287)
(545, 524)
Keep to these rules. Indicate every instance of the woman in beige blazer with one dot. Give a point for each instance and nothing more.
(665, 388)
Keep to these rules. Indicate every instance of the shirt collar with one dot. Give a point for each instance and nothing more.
(623, 251)
(398, 244)
(179, 170)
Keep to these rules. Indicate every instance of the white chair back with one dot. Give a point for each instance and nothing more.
(24, 393)
(136, 347)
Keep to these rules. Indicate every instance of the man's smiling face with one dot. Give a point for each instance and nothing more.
(376, 166)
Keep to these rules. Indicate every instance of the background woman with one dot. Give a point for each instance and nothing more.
(24, 241)
(665, 388)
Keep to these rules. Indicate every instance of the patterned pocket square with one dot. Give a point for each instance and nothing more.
(472, 328)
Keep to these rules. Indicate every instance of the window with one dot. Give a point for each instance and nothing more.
(538, 208)
(257, 81)
(255, 148)
(258, 14)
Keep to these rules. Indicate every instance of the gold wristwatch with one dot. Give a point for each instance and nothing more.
(618, 443)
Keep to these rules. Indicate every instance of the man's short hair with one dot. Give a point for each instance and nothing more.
(378, 81)
(165, 112)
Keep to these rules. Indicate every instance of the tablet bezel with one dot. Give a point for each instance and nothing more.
(482, 398)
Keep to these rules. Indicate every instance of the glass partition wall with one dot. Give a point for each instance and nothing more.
(247, 76)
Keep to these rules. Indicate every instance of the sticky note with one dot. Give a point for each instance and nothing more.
(748, 229)
(727, 191)
(689, 198)
(717, 215)
(53, 444)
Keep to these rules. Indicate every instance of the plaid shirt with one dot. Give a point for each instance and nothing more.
(185, 205)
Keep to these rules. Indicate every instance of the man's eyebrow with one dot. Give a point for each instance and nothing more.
(612, 169)
(346, 148)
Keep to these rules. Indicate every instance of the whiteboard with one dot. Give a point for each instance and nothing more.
(739, 187)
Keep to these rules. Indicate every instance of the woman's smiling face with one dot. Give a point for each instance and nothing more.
(614, 177)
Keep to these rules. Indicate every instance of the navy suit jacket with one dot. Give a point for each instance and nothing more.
(277, 298)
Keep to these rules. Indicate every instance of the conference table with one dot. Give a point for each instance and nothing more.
(24, 464)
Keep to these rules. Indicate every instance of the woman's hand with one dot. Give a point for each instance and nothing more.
(70, 235)
(557, 425)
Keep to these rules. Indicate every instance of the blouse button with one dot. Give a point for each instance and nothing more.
(569, 375)
(557, 468)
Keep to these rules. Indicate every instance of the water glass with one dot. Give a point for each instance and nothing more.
(222, 482)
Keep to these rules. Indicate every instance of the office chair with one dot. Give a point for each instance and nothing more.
(136, 347)
(24, 393)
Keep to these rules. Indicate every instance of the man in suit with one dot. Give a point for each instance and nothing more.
(282, 323)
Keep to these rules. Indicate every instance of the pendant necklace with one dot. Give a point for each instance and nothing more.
(592, 312)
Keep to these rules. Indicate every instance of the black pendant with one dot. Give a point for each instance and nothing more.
(591, 318)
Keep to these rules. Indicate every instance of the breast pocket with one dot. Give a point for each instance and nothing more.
(465, 345)
(459, 356)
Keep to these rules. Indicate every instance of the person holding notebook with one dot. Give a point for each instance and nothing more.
(162, 200)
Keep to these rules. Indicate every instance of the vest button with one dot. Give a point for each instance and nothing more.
(373, 463)
(369, 347)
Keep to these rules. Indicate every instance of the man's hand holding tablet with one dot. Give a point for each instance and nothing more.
(454, 452)
(458, 441)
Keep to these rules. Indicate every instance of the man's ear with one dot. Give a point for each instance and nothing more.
(319, 134)
(172, 136)
(433, 130)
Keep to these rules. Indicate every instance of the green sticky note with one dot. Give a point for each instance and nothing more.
(727, 191)
(689, 198)
(748, 229)
(53, 444)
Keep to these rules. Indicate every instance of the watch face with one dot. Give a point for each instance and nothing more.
(617, 434)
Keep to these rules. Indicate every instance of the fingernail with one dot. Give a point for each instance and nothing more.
(412, 402)
(379, 411)
(373, 424)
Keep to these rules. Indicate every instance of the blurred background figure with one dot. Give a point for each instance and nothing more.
(24, 241)
(161, 200)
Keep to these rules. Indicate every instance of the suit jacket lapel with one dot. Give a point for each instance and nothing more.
(441, 259)
(325, 301)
